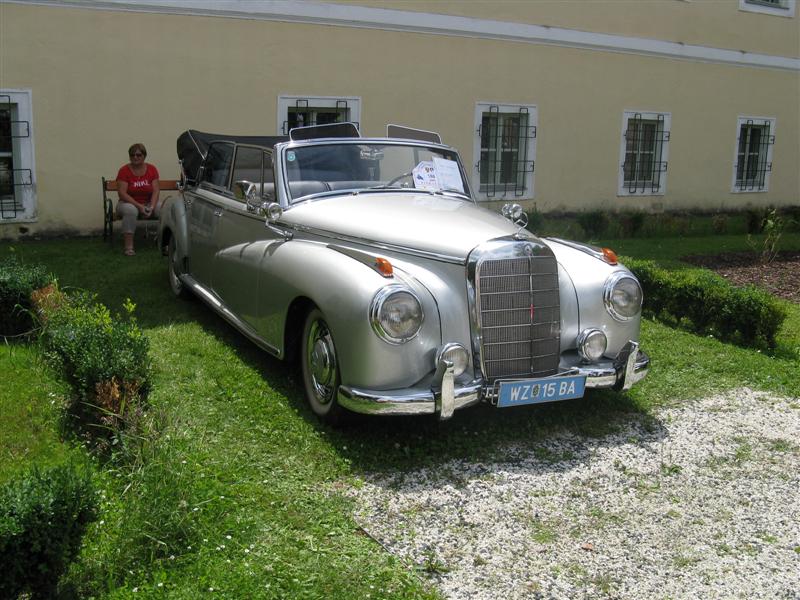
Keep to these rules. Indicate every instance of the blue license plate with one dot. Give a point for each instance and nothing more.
(534, 391)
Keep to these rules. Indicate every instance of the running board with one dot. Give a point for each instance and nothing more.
(219, 307)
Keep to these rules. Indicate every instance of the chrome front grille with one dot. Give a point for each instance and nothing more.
(518, 312)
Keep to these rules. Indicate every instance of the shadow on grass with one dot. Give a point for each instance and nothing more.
(369, 443)
(482, 432)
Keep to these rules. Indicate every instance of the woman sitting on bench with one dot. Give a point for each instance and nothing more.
(137, 186)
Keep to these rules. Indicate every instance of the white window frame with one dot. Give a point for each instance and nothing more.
(742, 120)
(623, 189)
(530, 176)
(286, 101)
(785, 9)
(23, 155)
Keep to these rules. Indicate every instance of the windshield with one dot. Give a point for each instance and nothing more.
(326, 168)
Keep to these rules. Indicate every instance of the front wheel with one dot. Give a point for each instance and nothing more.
(320, 366)
(175, 283)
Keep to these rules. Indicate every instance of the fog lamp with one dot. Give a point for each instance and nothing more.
(592, 344)
(456, 354)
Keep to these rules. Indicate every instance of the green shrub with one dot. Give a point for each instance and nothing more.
(594, 223)
(719, 223)
(105, 358)
(17, 282)
(535, 221)
(43, 516)
(631, 223)
(755, 220)
(708, 304)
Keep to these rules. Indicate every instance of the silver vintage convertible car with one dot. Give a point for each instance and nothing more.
(370, 261)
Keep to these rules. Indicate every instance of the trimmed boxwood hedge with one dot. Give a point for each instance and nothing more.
(707, 304)
(17, 282)
(43, 517)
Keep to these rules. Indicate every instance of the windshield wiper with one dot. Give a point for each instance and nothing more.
(453, 191)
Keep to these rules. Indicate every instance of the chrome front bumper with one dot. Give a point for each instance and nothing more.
(445, 396)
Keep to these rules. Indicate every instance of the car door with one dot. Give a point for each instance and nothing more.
(244, 239)
(206, 209)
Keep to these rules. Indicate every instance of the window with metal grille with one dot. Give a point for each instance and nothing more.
(754, 142)
(297, 111)
(781, 8)
(505, 146)
(17, 198)
(645, 141)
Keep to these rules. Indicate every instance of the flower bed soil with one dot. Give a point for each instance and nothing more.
(781, 277)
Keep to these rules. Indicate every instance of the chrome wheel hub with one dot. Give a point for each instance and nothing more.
(321, 362)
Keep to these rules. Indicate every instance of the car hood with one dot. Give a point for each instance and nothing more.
(425, 222)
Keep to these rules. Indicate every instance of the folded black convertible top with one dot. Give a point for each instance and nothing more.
(193, 144)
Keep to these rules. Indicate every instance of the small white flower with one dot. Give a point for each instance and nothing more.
(136, 589)
(160, 584)
(247, 550)
(227, 537)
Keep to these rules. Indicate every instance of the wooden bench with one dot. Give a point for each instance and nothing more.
(110, 215)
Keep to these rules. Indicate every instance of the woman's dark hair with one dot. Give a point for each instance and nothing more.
(139, 147)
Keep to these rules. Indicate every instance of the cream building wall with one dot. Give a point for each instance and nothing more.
(101, 79)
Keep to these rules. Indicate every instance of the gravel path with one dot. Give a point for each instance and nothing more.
(701, 502)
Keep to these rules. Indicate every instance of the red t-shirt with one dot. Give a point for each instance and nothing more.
(140, 188)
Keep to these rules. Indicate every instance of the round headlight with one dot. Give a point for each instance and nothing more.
(622, 296)
(456, 354)
(592, 344)
(396, 314)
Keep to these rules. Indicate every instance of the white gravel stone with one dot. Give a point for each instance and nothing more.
(703, 502)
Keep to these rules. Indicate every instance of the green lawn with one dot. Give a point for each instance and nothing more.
(242, 491)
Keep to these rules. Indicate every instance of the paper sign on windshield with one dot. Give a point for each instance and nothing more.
(425, 176)
(448, 175)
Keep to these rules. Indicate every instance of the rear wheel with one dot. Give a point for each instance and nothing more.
(320, 366)
(175, 270)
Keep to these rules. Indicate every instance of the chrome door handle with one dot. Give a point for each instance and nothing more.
(217, 213)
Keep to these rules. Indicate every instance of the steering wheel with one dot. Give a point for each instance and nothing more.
(398, 178)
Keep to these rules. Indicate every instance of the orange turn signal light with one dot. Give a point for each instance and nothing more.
(384, 267)
(609, 256)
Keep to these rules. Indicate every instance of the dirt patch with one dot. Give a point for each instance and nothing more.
(781, 277)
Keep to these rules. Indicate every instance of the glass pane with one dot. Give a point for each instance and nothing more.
(488, 130)
(6, 177)
(218, 164)
(5, 130)
(248, 165)
(304, 116)
(643, 141)
(322, 168)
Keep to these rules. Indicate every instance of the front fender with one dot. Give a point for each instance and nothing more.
(173, 223)
(343, 288)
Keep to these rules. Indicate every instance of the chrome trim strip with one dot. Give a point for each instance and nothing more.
(458, 260)
(217, 305)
